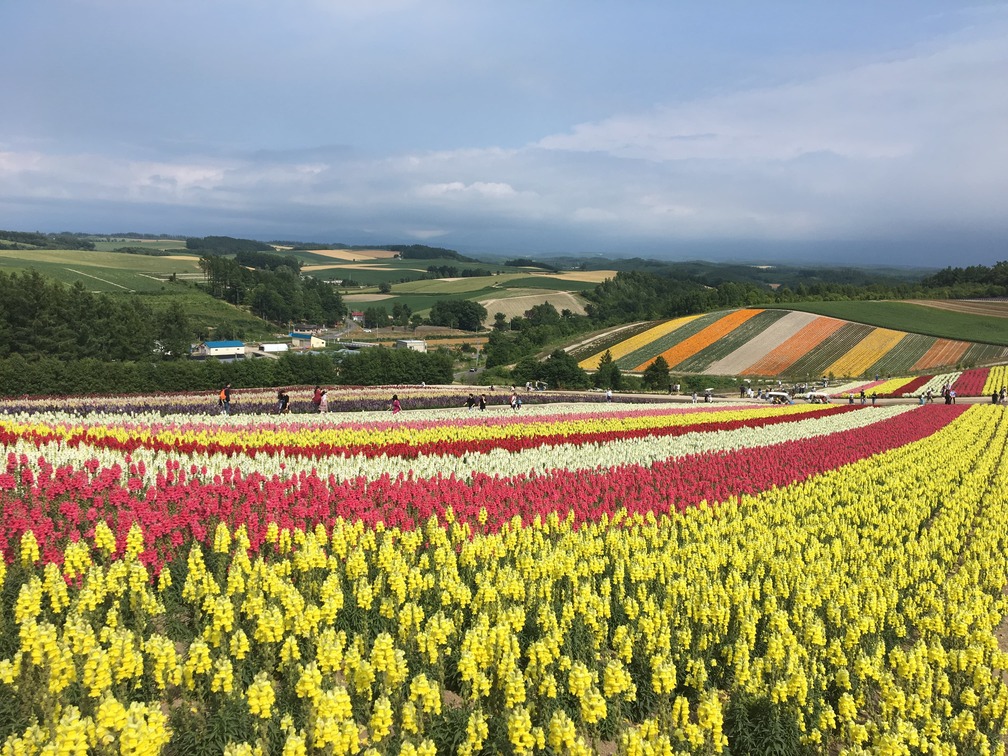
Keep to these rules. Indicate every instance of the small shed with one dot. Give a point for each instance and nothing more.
(274, 348)
(417, 345)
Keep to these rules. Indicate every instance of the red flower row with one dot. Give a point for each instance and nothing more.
(971, 382)
(910, 388)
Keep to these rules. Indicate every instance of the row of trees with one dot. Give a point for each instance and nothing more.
(378, 365)
(55, 376)
(453, 271)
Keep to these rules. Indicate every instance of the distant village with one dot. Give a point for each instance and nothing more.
(306, 339)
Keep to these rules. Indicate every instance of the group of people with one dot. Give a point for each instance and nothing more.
(864, 397)
(472, 402)
(999, 397)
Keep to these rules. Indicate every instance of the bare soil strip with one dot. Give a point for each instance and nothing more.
(352, 255)
(992, 308)
(512, 306)
(587, 276)
(366, 297)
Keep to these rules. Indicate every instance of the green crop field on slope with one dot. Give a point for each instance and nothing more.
(903, 316)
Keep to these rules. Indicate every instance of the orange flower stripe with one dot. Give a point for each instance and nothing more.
(778, 359)
(688, 347)
(625, 347)
(866, 352)
(943, 352)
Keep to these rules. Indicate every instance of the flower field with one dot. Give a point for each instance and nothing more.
(618, 579)
(758, 342)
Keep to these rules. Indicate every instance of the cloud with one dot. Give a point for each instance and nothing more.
(458, 188)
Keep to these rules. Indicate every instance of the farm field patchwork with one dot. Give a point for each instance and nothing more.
(588, 579)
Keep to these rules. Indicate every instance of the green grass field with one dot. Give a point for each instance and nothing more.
(101, 271)
(902, 316)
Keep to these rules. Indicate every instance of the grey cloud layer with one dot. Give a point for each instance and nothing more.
(876, 149)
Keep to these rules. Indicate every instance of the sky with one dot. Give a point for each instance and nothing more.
(863, 132)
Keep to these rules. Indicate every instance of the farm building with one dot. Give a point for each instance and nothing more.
(220, 349)
(417, 345)
(274, 347)
(306, 341)
(267, 349)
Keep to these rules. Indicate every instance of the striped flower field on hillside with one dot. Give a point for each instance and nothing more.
(568, 579)
(757, 342)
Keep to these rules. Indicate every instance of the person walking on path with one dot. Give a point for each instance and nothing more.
(395, 404)
(470, 402)
(608, 394)
(225, 399)
(283, 402)
(316, 399)
(324, 401)
(482, 402)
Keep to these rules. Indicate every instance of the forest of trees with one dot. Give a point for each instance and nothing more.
(460, 313)
(423, 252)
(225, 245)
(44, 318)
(278, 294)
(39, 240)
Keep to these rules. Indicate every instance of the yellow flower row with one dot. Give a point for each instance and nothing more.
(997, 379)
(866, 353)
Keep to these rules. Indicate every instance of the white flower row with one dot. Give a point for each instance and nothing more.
(936, 383)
